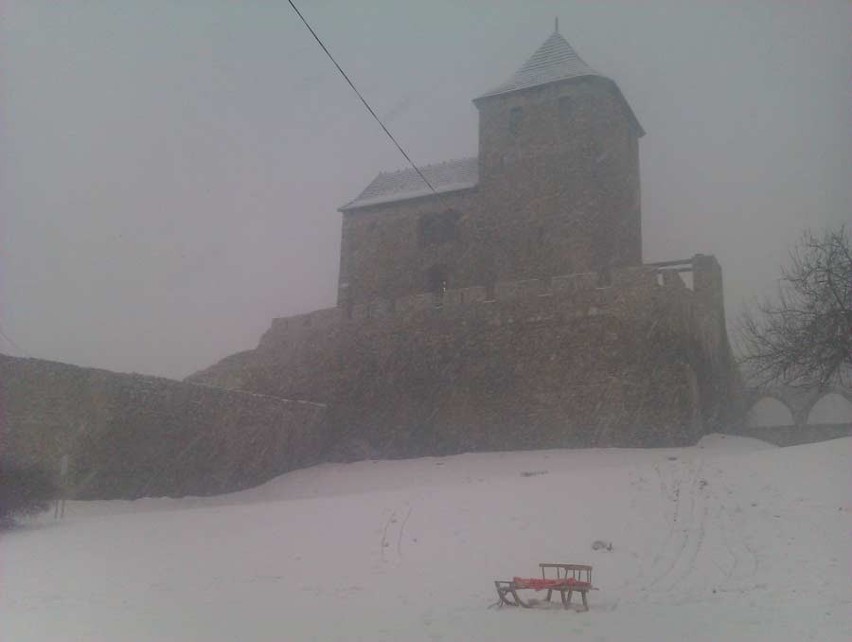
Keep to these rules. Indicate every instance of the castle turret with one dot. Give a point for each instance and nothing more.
(558, 169)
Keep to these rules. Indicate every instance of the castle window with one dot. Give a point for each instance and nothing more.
(516, 115)
(566, 108)
(490, 287)
(438, 228)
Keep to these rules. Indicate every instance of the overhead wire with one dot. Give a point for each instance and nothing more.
(355, 89)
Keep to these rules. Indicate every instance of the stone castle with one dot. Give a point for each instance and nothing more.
(554, 190)
(501, 302)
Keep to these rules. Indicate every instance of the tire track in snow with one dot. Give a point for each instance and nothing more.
(665, 561)
(746, 561)
(670, 515)
(696, 531)
(709, 533)
(662, 562)
(383, 544)
(393, 532)
(687, 563)
(723, 516)
(689, 530)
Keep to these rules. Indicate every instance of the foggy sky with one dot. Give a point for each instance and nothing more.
(170, 171)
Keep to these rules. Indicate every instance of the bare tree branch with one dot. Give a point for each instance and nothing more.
(803, 336)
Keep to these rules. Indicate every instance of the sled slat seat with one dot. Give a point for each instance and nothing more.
(569, 578)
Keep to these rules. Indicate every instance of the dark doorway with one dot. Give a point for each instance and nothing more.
(436, 280)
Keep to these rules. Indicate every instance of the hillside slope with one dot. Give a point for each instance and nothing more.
(729, 540)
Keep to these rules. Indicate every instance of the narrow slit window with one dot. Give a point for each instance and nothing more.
(516, 117)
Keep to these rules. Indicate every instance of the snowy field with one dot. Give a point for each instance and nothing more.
(730, 540)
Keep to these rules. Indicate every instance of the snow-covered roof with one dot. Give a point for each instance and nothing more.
(404, 184)
(555, 60)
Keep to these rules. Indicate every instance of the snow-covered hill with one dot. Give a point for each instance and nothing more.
(729, 540)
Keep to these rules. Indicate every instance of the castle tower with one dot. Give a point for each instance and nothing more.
(553, 191)
(558, 170)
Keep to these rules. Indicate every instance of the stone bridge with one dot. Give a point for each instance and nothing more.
(800, 402)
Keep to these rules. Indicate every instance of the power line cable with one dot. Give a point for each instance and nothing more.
(355, 89)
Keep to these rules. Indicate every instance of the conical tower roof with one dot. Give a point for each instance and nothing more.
(555, 60)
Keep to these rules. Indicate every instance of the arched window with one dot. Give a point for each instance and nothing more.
(768, 411)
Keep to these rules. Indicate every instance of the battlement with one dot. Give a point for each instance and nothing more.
(636, 356)
(583, 294)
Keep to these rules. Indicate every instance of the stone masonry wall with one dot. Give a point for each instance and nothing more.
(561, 190)
(537, 364)
(130, 436)
(381, 254)
(797, 435)
(557, 194)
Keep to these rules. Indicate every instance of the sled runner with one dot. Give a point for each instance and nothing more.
(570, 578)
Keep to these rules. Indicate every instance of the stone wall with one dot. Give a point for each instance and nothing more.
(560, 191)
(130, 436)
(381, 254)
(643, 361)
(797, 435)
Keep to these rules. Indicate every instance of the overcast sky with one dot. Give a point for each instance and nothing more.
(171, 170)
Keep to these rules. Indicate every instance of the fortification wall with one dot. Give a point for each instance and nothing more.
(531, 364)
(623, 292)
(130, 436)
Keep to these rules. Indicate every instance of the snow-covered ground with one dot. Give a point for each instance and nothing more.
(729, 540)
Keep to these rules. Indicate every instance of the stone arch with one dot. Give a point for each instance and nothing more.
(769, 410)
(833, 407)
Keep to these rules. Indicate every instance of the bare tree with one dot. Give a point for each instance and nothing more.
(803, 336)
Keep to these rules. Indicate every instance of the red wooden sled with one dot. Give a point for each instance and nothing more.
(570, 578)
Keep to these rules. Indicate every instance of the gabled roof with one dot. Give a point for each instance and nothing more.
(405, 184)
(555, 60)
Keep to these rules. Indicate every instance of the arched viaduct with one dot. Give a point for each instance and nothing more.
(800, 401)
